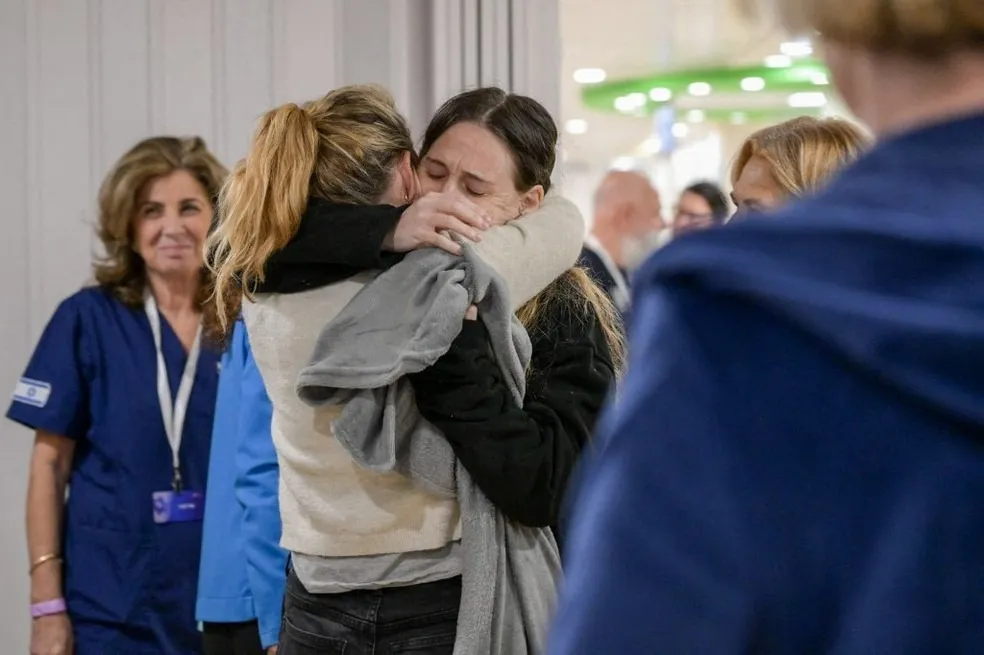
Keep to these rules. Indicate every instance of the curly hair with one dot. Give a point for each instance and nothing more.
(121, 270)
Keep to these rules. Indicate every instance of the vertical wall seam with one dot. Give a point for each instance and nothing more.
(218, 52)
(95, 86)
(35, 199)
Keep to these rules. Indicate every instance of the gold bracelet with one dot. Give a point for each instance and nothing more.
(44, 559)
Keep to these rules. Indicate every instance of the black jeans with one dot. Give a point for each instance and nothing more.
(232, 639)
(418, 620)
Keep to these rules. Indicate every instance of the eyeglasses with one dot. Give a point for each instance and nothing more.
(693, 217)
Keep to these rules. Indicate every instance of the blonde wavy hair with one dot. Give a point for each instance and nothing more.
(121, 270)
(919, 27)
(342, 148)
(803, 153)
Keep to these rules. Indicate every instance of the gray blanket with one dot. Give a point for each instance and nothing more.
(402, 323)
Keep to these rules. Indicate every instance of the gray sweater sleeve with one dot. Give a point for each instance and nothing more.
(534, 250)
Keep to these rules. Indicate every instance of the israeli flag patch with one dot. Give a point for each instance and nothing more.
(32, 392)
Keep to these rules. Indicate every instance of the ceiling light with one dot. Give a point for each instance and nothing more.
(624, 164)
(680, 130)
(820, 79)
(589, 75)
(576, 126)
(624, 104)
(804, 100)
(660, 95)
(778, 61)
(699, 89)
(796, 49)
(752, 84)
(651, 146)
(696, 116)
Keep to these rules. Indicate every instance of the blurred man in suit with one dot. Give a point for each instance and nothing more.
(628, 224)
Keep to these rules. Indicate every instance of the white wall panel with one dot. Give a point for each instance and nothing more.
(61, 105)
(306, 56)
(122, 62)
(246, 81)
(15, 314)
(83, 80)
(186, 91)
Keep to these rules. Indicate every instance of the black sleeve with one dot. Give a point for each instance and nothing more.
(346, 235)
(333, 242)
(521, 458)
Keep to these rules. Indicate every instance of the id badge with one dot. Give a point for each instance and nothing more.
(178, 506)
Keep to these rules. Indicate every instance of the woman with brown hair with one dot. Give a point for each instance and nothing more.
(791, 160)
(120, 393)
(796, 460)
(366, 544)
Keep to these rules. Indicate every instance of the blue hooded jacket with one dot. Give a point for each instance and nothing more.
(243, 568)
(795, 463)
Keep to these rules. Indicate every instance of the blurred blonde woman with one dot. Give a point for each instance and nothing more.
(791, 160)
(796, 460)
(120, 393)
(376, 562)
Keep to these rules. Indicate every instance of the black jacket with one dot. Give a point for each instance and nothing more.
(522, 457)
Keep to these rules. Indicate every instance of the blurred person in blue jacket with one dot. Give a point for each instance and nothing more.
(812, 482)
(243, 568)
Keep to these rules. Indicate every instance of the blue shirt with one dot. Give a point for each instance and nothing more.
(243, 567)
(129, 583)
(796, 461)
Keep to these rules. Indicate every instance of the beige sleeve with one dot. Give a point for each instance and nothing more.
(533, 251)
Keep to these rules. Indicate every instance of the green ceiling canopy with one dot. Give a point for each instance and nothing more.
(731, 90)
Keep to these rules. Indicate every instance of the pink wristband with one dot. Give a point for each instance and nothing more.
(48, 608)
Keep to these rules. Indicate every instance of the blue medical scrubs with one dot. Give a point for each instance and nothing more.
(130, 584)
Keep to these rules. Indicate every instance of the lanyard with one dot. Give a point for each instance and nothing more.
(173, 411)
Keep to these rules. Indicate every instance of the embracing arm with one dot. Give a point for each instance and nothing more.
(521, 457)
(532, 251)
(337, 241)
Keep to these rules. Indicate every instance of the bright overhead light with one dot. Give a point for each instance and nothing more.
(752, 84)
(778, 61)
(739, 118)
(576, 126)
(680, 130)
(651, 146)
(630, 103)
(660, 95)
(696, 116)
(699, 89)
(810, 99)
(589, 75)
(624, 104)
(796, 48)
(624, 164)
(820, 79)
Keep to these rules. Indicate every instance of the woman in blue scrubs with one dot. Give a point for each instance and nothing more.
(120, 392)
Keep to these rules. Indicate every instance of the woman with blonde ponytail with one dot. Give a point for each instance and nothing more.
(328, 195)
